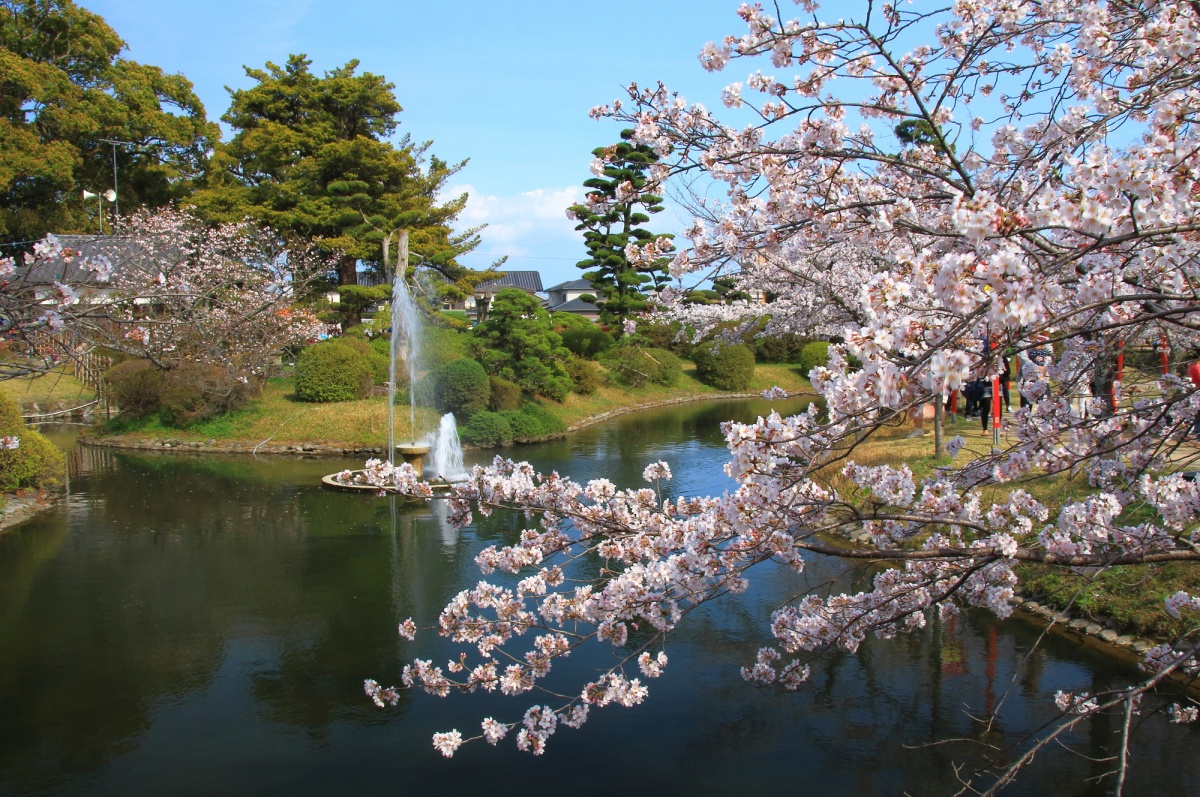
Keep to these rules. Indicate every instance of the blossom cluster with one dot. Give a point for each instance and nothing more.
(956, 208)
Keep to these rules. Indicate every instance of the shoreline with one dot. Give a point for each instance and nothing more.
(335, 449)
(19, 508)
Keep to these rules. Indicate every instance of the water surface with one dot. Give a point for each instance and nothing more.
(192, 625)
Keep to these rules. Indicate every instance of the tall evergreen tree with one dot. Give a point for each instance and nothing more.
(311, 157)
(610, 218)
(70, 106)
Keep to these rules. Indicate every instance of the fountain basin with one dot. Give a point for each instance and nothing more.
(441, 489)
(413, 454)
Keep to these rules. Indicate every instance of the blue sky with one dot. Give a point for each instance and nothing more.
(506, 84)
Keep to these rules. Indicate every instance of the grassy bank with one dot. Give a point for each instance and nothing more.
(1130, 597)
(58, 386)
(278, 417)
(577, 409)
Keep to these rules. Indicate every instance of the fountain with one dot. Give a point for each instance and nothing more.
(446, 462)
(405, 334)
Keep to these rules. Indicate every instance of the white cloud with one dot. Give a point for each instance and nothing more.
(529, 227)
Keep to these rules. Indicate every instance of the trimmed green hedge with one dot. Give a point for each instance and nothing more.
(506, 395)
(724, 367)
(333, 371)
(635, 367)
(487, 428)
(461, 387)
(587, 342)
(813, 355)
(533, 423)
(585, 376)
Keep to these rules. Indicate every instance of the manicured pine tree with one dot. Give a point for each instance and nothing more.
(610, 218)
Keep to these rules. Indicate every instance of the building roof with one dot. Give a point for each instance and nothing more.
(573, 285)
(574, 306)
(525, 280)
(123, 254)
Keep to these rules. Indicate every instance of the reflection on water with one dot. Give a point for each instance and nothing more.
(200, 625)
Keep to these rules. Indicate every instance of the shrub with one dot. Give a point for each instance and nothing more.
(461, 387)
(627, 366)
(813, 355)
(724, 367)
(534, 423)
(636, 367)
(188, 393)
(564, 321)
(35, 462)
(667, 367)
(333, 371)
(587, 342)
(487, 428)
(355, 340)
(381, 363)
(506, 395)
(785, 348)
(136, 386)
(585, 376)
(666, 336)
(193, 392)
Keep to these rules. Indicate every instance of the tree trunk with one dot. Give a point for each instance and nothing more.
(402, 254)
(347, 270)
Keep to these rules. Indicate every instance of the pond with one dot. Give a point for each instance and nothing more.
(193, 625)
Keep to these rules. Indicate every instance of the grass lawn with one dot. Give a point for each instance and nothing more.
(1130, 596)
(279, 417)
(609, 398)
(58, 386)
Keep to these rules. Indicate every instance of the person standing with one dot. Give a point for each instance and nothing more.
(984, 392)
(1032, 363)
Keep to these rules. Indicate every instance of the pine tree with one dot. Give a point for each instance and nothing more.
(610, 217)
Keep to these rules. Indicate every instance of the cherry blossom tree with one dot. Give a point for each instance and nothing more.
(167, 289)
(1050, 189)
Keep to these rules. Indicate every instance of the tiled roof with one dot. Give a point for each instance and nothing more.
(123, 254)
(525, 280)
(575, 306)
(573, 285)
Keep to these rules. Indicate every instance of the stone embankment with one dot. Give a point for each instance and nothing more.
(1084, 627)
(233, 447)
(20, 507)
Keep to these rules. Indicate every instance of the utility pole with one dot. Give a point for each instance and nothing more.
(116, 199)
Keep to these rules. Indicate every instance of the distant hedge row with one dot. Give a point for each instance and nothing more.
(529, 424)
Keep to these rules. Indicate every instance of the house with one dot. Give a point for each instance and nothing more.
(528, 281)
(120, 253)
(565, 298)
